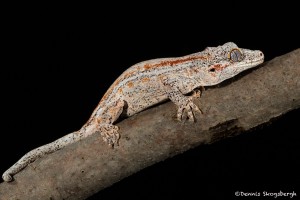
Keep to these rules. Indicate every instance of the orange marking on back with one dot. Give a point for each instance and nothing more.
(130, 84)
(107, 93)
(147, 66)
(110, 89)
(173, 62)
(145, 79)
(99, 120)
(128, 74)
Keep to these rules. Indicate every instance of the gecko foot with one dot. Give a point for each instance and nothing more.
(187, 110)
(110, 134)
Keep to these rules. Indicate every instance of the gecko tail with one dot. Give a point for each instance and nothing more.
(41, 151)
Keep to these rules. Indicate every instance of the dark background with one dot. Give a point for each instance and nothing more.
(57, 64)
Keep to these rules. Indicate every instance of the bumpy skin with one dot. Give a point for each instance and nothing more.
(150, 82)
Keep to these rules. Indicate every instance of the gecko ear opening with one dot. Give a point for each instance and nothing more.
(212, 70)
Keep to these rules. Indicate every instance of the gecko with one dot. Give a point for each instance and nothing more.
(148, 83)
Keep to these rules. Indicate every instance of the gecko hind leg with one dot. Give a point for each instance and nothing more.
(109, 132)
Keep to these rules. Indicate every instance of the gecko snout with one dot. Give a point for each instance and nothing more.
(260, 53)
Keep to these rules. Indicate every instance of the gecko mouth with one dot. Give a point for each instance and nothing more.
(256, 62)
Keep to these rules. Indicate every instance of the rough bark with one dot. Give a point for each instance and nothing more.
(238, 105)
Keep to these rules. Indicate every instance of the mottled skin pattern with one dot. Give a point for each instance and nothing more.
(150, 82)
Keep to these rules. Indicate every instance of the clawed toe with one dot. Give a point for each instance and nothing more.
(187, 111)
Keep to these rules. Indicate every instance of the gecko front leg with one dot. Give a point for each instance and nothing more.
(184, 103)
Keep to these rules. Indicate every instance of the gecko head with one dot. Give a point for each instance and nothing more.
(228, 60)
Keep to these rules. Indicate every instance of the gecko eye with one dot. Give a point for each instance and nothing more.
(235, 55)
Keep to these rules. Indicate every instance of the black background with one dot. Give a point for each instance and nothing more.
(57, 64)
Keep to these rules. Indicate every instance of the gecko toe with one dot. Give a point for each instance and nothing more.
(190, 116)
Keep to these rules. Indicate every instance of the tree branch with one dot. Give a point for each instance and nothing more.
(84, 168)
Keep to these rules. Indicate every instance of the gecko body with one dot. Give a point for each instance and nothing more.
(150, 82)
